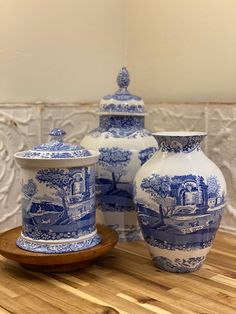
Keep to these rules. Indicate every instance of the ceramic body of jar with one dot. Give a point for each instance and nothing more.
(180, 198)
(124, 145)
(58, 197)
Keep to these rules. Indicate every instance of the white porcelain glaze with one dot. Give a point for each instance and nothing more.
(124, 145)
(58, 197)
(179, 197)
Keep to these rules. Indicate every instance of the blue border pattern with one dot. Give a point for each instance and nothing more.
(179, 265)
(52, 155)
(53, 248)
(177, 144)
(56, 148)
(121, 127)
(128, 108)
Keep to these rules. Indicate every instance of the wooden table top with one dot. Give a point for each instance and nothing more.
(125, 281)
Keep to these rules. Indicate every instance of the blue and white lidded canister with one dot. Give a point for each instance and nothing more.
(58, 197)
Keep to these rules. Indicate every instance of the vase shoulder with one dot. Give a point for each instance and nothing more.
(178, 164)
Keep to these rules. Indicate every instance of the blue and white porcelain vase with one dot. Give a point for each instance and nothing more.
(180, 198)
(124, 145)
(58, 197)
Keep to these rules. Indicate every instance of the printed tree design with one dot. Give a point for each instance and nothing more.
(29, 189)
(213, 186)
(159, 188)
(115, 161)
(146, 154)
(156, 185)
(57, 179)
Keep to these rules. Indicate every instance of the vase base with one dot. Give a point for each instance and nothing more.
(179, 265)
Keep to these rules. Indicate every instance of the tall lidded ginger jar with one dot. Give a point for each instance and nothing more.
(124, 145)
(180, 198)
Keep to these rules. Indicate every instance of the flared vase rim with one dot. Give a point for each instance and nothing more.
(179, 134)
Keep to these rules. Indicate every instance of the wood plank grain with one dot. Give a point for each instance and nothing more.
(126, 282)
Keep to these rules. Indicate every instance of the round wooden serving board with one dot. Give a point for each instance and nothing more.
(56, 262)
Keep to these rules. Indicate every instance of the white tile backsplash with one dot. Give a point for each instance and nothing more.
(221, 149)
(173, 117)
(19, 130)
(76, 120)
(24, 125)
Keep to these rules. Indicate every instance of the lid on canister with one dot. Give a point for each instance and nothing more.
(57, 150)
(122, 102)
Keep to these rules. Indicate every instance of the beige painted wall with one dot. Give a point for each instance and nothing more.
(182, 50)
(71, 50)
(59, 50)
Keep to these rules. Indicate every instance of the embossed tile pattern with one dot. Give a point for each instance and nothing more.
(75, 119)
(222, 150)
(172, 117)
(19, 130)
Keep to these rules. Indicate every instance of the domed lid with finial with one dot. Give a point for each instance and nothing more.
(122, 102)
(56, 148)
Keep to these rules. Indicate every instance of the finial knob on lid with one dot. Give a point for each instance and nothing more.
(122, 102)
(57, 134)
(123, 78)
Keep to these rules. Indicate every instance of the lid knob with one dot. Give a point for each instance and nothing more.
(123, 78)
(57, 134)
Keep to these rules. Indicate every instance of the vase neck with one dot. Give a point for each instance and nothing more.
(177, 142)
(124, 122)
